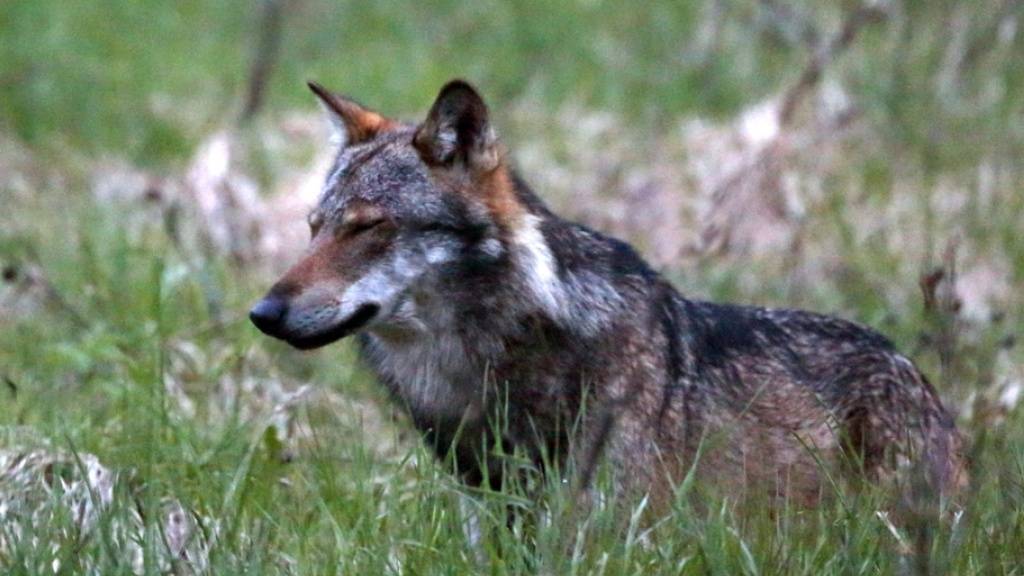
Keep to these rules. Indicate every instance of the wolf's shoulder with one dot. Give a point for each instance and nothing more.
(578, 248)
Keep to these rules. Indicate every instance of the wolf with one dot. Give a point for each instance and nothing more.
(499, 326)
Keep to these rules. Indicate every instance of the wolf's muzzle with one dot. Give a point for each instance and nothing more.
(359, 319)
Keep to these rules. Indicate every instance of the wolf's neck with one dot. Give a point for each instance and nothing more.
(562, 288)
(577, 291)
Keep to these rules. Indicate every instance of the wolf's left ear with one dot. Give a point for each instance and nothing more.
(352, 122)
(457, 130)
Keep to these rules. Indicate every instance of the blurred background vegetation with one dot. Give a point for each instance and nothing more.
(145, 79)
(857, 159)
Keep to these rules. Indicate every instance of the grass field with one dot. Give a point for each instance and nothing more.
(121, 341)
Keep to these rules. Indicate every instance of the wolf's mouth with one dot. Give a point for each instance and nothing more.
(361, 317)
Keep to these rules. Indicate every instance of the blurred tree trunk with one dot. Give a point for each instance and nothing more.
(265, 53)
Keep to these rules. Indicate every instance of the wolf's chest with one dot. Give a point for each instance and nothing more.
(438, 377)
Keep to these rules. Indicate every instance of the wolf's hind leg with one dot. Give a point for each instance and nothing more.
(898, 431)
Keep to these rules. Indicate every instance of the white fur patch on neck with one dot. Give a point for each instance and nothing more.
(537, 264)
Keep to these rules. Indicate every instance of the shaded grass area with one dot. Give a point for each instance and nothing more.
(88, 370)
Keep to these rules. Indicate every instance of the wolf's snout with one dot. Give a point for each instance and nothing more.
(268, 315)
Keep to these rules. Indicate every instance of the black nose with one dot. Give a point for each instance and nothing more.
(268, 314)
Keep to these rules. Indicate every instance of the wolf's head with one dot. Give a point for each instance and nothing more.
(404, 208)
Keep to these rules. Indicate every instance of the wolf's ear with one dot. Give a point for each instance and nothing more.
(352, 122)
(457, 130)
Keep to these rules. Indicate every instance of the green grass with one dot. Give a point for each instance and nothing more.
(89, 371)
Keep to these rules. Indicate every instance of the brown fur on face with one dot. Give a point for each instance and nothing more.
(338, 254)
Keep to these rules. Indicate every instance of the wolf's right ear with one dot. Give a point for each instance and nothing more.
(457, 130)
(352, 123)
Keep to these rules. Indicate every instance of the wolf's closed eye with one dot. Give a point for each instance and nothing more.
(360, 226)
(361, 218)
